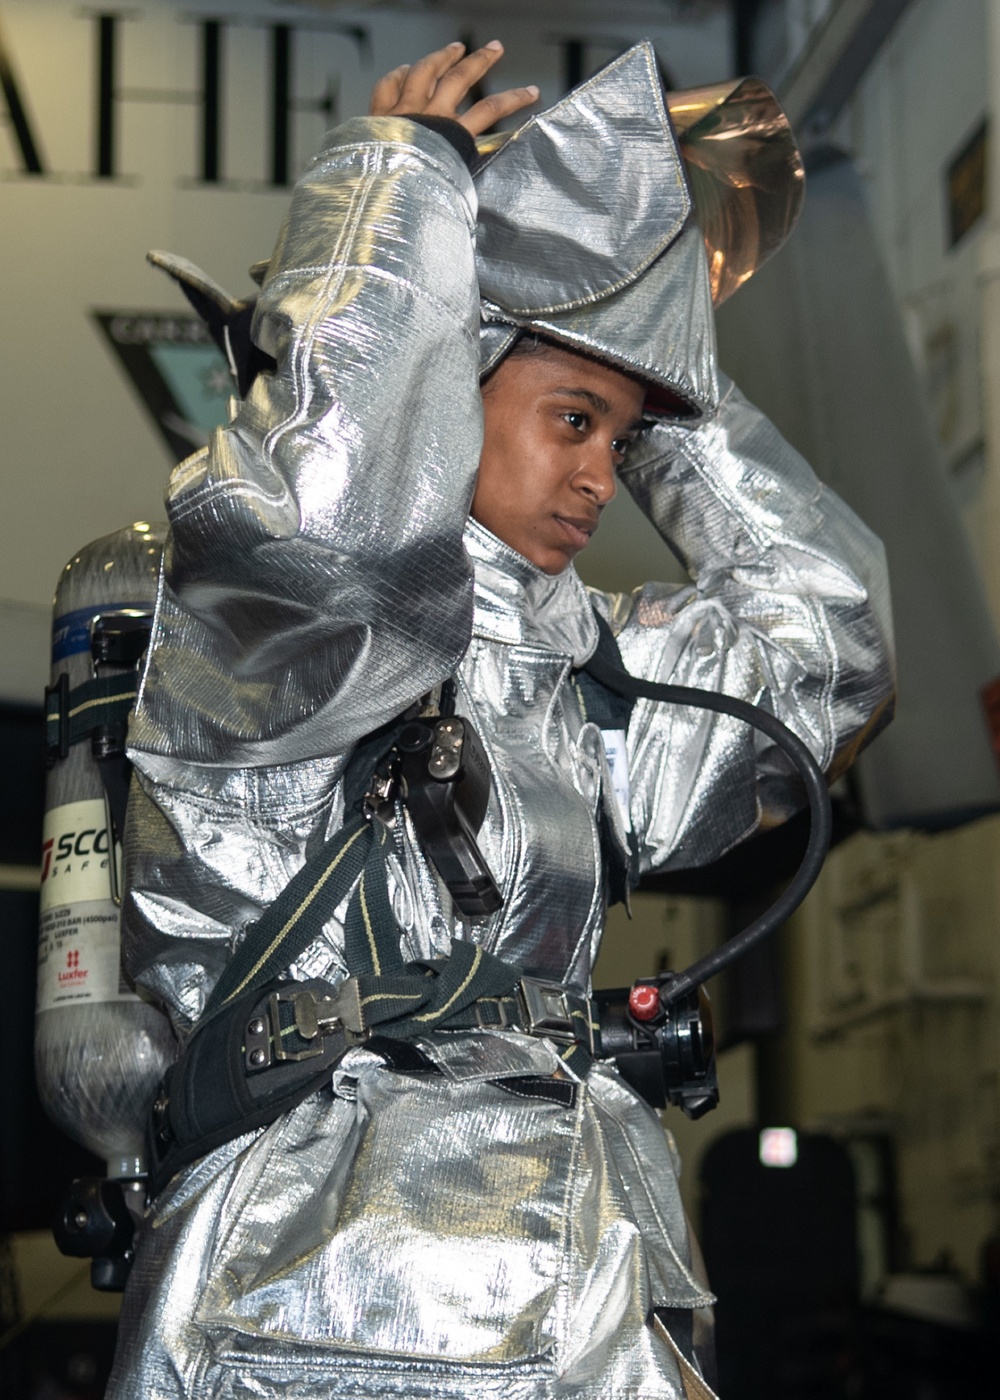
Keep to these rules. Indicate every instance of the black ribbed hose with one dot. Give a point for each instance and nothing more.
(821, 824)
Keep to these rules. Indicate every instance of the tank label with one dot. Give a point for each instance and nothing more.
(79, 944)
(75, 848)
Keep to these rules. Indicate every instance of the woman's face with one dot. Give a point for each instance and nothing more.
(556, 427)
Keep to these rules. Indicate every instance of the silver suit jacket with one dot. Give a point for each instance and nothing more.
(444, 1237)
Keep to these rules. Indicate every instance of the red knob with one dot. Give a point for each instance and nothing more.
(644, 1002)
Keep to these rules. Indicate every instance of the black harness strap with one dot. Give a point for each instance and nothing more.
(354, 858)
(73, 715)
(98, 709)
(403, 999)
(609, 709)
(371, 934)
(252, 1056)
(468, 973)
(296, 918)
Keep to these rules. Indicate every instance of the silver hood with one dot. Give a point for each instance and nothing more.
(596, 216)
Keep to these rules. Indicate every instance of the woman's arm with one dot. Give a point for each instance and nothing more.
(788, 607)
(315, 580)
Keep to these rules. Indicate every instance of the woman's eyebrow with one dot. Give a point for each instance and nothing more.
(595, 400)
(598, 402)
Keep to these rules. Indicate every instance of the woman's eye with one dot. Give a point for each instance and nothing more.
(577, 420)
(621, 445)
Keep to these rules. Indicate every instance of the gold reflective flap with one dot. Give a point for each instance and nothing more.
(745, 172)
(688, 107)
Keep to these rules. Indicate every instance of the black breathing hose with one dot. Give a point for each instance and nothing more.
(821, 817)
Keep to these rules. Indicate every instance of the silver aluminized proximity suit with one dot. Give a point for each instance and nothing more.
(404, 1235)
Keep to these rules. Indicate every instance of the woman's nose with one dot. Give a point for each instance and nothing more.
(597, 477)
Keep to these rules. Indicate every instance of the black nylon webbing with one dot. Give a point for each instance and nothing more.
(577, 1058)
(400, 998)
(602, 706)
(371, 934)
(296, 918)
(404, 1000)
(102, 701)
(420, 998)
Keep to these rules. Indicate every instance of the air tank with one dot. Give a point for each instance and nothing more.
(100, 1050)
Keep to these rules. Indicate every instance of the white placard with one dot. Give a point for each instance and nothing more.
(79, 940)
(615, 753)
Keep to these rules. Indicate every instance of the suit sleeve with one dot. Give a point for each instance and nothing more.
(315, 580)
(787, 607)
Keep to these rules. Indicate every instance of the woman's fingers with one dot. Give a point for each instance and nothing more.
(385, 93)
(455, 85)
(417, 81)
(485, 113)
(421, 82)
(439, 83)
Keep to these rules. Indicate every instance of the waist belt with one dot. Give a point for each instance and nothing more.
(272, 1047)
(297, 1019)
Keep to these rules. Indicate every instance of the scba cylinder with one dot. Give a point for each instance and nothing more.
(99, 1049)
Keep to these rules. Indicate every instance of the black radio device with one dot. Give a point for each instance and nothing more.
(438, 768)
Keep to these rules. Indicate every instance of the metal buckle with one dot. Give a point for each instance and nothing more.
(341, 1012)
(547, 1009)
(317, 1016)
(379, 802)
(505, 1021)
(297, 999)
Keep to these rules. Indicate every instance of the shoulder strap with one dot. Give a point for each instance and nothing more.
(609, 709)
(296, 917)
(606, 708)
(403, 999)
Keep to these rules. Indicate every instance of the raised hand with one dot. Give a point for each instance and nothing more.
(437, 85)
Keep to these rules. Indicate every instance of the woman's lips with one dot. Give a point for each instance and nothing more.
(577, 531)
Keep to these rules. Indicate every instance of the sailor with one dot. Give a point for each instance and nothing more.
(496, 1215)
